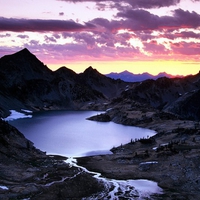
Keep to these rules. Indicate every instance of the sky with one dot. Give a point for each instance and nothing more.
(111, 36)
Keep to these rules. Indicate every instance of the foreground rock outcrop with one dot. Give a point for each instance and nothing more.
(28, 173)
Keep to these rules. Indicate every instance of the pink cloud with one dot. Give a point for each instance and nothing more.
(185, 48)
(155, 48)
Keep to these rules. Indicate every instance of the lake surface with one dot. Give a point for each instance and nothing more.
(68, 133)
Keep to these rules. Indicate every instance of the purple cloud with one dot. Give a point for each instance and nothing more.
(48, 39)
(155, 48)
(5, 35)
(134, 3)
(33, 43)
(61, 14)
(38, 25)
(143, 20)
(182, 34)
(23, 36)
(185, 48)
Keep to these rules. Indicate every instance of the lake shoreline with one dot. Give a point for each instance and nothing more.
(171, 157)
(68, 133)
(149, 158)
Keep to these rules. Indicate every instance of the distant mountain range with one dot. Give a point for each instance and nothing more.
(130, 77)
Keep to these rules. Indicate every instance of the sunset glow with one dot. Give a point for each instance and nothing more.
(154, 68)
(111, 36)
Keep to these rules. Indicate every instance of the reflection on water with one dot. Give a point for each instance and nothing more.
(69, 133)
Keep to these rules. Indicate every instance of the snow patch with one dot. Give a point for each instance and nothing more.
(17, 115)
(109, 109)
(162, 145)
(26, 111)
(150, 162)
(4, 187)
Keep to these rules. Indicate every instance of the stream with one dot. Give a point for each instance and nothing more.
(121, 189)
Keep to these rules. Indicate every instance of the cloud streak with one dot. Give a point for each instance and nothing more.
(39, 25)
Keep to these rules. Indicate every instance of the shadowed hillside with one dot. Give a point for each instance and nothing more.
(178, 95)
(27, 83)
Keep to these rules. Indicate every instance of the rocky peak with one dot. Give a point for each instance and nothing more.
(24, 54)
(65, 72)
(24, 51)
(91, 71)
(23, 65)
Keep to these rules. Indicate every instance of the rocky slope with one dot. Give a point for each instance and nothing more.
(28, 173)
(179, 95)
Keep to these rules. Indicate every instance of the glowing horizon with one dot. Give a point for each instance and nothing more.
(170, 67)
(109, 35)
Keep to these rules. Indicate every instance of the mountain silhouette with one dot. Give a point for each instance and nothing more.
(29, 84)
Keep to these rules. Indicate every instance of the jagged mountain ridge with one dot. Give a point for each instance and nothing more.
(27, 83)
(130, 77)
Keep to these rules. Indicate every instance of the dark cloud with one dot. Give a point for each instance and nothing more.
(104, 25)
(38, 25)
(189, 19)
(143, 20)
(152, 3)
